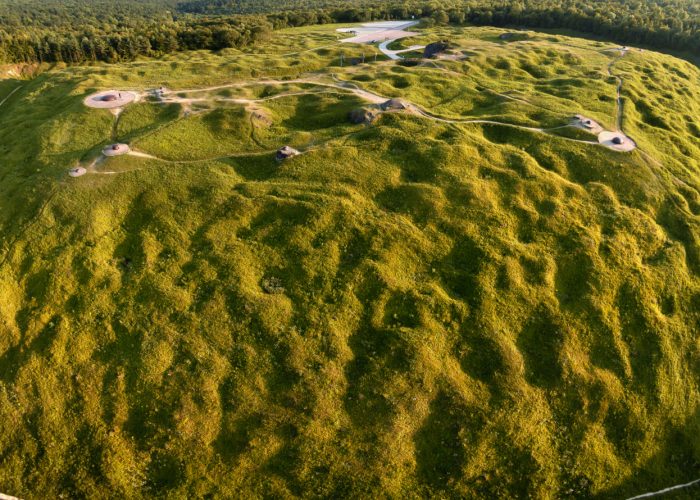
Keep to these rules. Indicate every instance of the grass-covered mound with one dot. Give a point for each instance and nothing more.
(414, 308)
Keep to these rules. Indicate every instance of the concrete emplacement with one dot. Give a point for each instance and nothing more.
(587, 124)
(116, 150)
(110, 99)
(286, 152)
(77, 171)
(616, 140)
(395, 104)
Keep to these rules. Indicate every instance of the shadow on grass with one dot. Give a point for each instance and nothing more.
(254, 167)
(677, 462)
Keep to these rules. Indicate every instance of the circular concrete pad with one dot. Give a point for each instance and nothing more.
(110, 99)
(616, 140)
(116, 150)
(77, 172)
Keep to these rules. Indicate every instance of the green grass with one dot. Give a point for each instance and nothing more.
(410, 309)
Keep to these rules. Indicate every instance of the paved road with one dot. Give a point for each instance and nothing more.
(392, 31)
(394, 54)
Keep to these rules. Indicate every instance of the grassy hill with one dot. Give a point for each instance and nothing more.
(412, 308)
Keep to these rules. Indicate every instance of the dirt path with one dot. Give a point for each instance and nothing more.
(290, 54)
(25, 227)
(369, 96)
(342, 86)
(115, 126)
(205, 160)
(243, 100)
(264, 152)
(10, 95)
(666, 490)
(521, 100)
(657, 172)
(538, 130)
(618, 100)
(366, 95)
(141, 155)
(376, 98)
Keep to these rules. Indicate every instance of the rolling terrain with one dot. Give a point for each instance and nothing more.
(468, 297)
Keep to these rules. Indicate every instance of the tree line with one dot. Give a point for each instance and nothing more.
(91, 45)
(77, 31)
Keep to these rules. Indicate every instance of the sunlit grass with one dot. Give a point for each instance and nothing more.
(410, 308)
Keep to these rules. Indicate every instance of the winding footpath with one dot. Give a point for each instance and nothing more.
(10, 95)
(343, 86)
(371, 97)
(618, 100)
(666, 490)
(339, 86)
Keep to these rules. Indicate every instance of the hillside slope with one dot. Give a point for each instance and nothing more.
(425, 306)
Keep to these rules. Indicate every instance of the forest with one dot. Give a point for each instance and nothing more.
(77, 31)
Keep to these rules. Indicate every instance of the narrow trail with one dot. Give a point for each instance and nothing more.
(10, 95)
(666, 490)
(141, 155)
(201, 160)
(25, 227)
(456, 121)
(115, 125)
(618, 100)
(344, 87)
(663, 175)
(252, 133)
(289, 54)
(495, 92)
(349, 87)
(369, 96)
(264, 152)
(243, 100)
(538, 130)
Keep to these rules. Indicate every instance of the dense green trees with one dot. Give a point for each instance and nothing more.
(88, 30)
(664, 24)
(77, 31)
